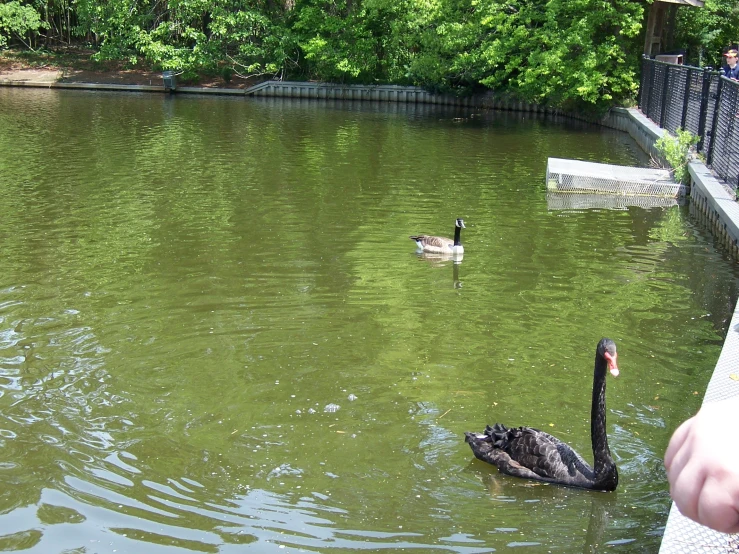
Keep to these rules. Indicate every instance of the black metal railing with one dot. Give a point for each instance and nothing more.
(699, 100)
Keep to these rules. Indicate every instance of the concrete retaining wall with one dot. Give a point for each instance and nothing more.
(711, 201)
(643, 130)
(390, 93)
(376, 93)
(317, 91)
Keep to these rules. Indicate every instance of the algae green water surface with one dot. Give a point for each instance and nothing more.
(216, 336)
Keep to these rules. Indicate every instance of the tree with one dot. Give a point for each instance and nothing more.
(348, 40)
(557, 52)
(19, 21)
(566, 53)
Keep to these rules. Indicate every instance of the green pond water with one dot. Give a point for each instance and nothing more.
(188, 283)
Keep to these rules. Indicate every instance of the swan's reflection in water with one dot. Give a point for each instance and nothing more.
(534, 496)
(442, 260)
(601, 506)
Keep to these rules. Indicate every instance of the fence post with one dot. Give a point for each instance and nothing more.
(688, 86)
(714, 123)
(650, 97)
(663, 107)
(643, 81)
(646, 93)
(704, 107)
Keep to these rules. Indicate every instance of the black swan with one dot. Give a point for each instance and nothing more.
(533, 454)
(441, 245)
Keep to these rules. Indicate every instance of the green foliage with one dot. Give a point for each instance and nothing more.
(582, 52)
(191, 36)
(19, 21)
(576, 54)
(358, 42)
(678, 151)
(707, 32)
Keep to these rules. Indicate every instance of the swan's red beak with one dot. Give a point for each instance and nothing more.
(612, 363)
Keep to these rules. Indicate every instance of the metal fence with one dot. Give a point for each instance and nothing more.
(700, 101)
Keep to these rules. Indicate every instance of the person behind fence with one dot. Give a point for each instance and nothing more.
(702, 463)
(731, 69)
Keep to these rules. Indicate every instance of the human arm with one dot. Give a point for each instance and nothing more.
(702, 462)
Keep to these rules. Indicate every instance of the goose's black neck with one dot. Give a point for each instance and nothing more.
(606, 476)
(457, 232)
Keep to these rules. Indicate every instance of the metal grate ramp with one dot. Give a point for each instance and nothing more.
(576, 176)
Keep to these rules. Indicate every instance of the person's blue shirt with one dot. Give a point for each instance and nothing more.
(731, 73)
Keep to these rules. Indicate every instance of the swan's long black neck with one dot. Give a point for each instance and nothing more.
(606, 476)
(457, 233)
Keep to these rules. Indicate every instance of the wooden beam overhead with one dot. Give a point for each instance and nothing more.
(695, 3)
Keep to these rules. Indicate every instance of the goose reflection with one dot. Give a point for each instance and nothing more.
(442, 260)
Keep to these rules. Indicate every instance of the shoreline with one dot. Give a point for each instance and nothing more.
(55, 77)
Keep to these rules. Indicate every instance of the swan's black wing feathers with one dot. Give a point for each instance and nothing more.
(530, 453)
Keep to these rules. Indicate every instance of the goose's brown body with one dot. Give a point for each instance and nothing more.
(431, 243)
(533, 454)
(441, 245)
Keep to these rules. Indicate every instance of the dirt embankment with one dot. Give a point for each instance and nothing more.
(14, 69)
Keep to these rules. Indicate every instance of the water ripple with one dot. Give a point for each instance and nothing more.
(186, 285)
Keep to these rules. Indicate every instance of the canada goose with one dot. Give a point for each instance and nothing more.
(442, 245)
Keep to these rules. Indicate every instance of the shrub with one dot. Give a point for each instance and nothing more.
(678, 151)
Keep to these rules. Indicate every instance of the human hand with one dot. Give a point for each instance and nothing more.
(702, 462)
